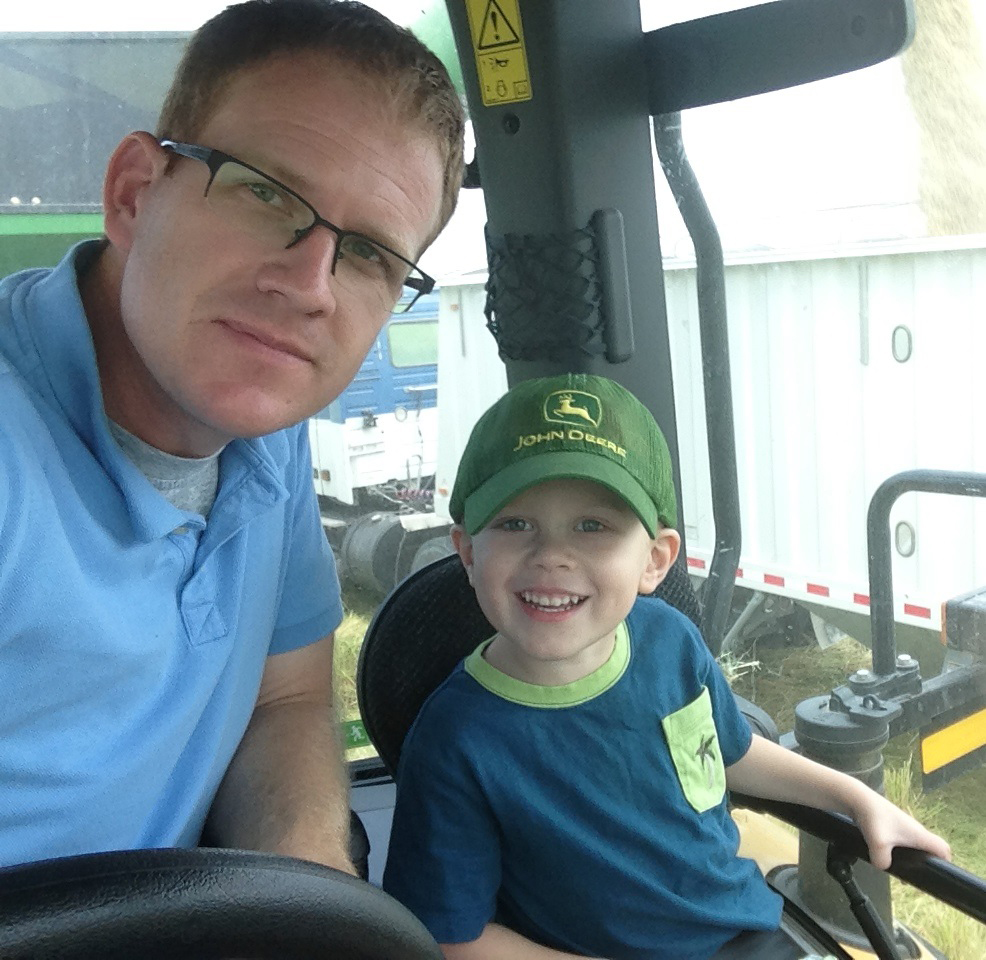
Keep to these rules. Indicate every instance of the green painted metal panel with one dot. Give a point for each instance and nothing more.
(433, 29)
(21, 251)
(36, 224)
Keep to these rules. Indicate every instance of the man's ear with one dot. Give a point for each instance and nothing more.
(463, 547)
(137, 162)
(663, 553)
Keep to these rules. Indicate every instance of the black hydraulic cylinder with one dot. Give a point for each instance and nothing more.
(853, 745)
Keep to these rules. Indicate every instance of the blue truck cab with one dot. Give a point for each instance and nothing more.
(381, 433)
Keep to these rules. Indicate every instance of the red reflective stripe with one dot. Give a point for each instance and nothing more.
(739, 571)
(861, 598)
(696, 562)
(773, 580)
(818, 590)
(914, 611)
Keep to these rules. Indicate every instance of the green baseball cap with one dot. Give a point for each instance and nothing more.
(574, 425)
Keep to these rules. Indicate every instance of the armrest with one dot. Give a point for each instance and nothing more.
(943, 880)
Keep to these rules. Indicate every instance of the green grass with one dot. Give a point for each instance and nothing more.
(358, 607)
(777, 676)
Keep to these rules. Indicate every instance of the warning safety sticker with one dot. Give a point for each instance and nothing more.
(498, 41)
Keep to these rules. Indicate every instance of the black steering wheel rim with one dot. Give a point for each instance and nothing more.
(200, 903)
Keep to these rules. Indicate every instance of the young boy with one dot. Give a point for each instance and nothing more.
(564, 792)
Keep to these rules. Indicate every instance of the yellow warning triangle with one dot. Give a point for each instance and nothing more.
(496, 31)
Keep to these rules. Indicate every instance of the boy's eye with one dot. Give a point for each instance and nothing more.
(589, 525)
(512, 524)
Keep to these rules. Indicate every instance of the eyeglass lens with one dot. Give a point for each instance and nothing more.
(258, 206)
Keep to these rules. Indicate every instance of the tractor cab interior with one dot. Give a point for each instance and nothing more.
(571, 102)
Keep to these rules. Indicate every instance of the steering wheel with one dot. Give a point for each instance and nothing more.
(201, 904)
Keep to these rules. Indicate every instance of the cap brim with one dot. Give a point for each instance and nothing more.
(485, 501)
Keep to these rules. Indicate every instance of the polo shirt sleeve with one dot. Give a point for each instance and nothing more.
(311, 605)
(444, 856)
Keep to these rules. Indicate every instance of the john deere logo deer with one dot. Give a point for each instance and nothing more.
(573, 407)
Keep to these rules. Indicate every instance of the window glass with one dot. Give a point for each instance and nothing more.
(413, 344)
(67, 99)
(894, 151)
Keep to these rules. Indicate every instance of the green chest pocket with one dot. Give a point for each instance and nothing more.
(691, 736)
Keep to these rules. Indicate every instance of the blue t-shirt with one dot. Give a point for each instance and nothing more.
(133, 635)
(591, 817)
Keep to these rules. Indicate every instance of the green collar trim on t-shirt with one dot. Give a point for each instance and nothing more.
(565, 695)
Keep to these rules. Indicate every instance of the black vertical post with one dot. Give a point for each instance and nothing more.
(579, 145)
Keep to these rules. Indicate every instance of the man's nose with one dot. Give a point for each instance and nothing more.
(303, 272)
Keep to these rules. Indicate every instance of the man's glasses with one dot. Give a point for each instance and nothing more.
(257, 204)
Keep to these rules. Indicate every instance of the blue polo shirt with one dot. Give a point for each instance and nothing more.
(133, 635)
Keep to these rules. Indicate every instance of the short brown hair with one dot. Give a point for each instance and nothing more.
(250, 33)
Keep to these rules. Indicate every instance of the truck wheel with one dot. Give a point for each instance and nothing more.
(431, 550)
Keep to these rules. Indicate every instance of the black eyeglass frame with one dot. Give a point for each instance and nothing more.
(214, 159)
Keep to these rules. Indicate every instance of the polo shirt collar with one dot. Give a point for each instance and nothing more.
(63, 341)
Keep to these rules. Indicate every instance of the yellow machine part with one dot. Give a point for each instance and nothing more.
(947, 745)
(770, 843)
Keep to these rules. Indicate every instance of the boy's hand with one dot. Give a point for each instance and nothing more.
(885, 826)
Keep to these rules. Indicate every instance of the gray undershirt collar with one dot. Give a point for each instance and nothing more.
(188, 483)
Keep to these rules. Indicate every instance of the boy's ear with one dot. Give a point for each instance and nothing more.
(663, 553)
(137, 162)
(463, 547)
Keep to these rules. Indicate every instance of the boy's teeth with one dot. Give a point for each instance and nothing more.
(553, 601)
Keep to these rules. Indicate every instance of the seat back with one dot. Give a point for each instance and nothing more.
(426, 625)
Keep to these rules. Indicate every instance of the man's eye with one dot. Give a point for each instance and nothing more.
(265, 193)
(364, 249)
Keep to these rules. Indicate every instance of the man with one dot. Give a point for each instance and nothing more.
(167, 596)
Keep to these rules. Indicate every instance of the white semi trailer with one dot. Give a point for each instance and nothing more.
(847, 367)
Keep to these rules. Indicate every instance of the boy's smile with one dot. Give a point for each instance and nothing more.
(550, 604)
(556, 571)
